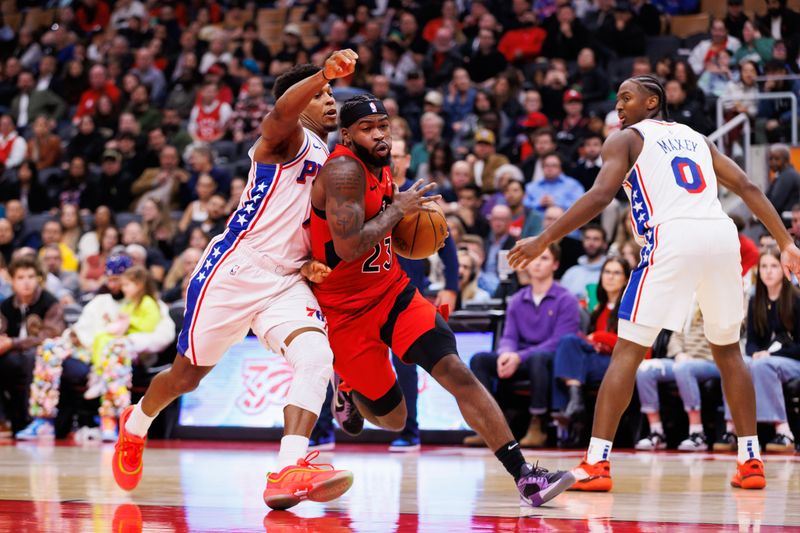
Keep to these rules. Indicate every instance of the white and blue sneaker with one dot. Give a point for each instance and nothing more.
(39, 429)
(109, 434)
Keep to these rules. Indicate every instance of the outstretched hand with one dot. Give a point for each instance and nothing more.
(790, 261)
(340, 64)
(315, 271)
(525, 251)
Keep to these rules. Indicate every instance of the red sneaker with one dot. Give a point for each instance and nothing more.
(306, 481)
(749, 475)
(127, 460)
(592, 478)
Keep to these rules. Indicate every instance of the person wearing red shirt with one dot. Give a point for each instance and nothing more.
(582, 359)
(92, 15)
(99, 85)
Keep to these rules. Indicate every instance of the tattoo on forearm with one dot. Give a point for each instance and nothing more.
(344, 187)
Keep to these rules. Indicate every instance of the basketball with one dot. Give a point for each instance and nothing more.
(420, 235)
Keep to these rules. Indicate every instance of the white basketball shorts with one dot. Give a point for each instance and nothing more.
(233, 290)
(682, 258)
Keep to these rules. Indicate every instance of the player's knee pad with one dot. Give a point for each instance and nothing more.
(312, 359)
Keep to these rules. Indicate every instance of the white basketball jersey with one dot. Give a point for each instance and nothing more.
(673, 177)
(273, 215)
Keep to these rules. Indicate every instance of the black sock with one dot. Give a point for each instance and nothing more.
(511, 456)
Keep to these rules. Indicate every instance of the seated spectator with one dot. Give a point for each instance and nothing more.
(181, 269)
(780, 21)
(442, 58)
(571, 247)
(499, 239)
(777, 112)
(438, 167)
(589, 163)
(537, 317)
(251, 48)
(251, 108)
(209, 116)
(214, 224)
(27, 188)
(543, 141)
(93, 267)
(593, 82)
(625, 38)
(63, 361)
(158, 225)
(746, 88)
(53, 233)
(717, 75)
(52, 261)
(754, 47)
(582, 359)
(134, 234)
(31, 103)
(573, 127)
(773, 330)
(688, 362)
(147, 116)
(707, 49)
(12, 144)
(29, 316)
(6, 242)
(217, 53)
(555, 189)
(99, 85)
(469, 211)
(151, 77)
(162, 183)
(682, 109)
(87, 143)
(23, 233)
(784, 181)
(566, 34)
(487, 60)
(201, 161)
(524, 222)
(292, 51)
(44, 146)
(172, 127)
(486, 161)
(74, 182)
(197, 211)
(72, 223)
(432, 126)
(468, 290)
(582, 279)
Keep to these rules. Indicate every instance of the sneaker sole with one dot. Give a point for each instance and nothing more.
(325, 491)
(405, 449)
(779, 448)
(751, 483)
(544, 496)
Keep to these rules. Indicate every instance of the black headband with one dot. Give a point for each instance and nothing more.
(350, 114)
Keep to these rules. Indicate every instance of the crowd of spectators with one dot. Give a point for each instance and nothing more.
(125, 128)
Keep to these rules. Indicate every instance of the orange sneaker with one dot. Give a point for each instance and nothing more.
(127, 460)
(306, 481)
(749, 475)
(592, 478)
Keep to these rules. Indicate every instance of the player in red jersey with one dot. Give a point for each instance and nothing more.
(370, 304)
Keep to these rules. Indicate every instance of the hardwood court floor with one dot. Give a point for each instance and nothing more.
(205, 486)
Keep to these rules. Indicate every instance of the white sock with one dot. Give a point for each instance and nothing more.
(138, 423)
(784, 429)
(293, 447)
(749, 449)
(656, 427)
(695, 428)
(730, 427)
(599, 450)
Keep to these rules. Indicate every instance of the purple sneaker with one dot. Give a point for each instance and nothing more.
(538, 486)
(344, 410)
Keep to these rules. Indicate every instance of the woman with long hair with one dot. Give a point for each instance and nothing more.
(158, 224)
(93, 268)
(28, 190)
(773, 341)
(90, 241)
(582, 359)
(71, 221)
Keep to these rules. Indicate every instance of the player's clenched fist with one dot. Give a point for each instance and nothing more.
(340, 64)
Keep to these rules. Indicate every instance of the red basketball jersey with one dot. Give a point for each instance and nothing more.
(376, 275)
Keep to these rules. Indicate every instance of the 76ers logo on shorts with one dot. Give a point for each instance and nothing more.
(264, 382)
(318, 314)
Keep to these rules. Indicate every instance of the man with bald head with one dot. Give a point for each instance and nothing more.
(99, 85)
(784, 181)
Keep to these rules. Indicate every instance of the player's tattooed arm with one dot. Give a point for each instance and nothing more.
(345, 182)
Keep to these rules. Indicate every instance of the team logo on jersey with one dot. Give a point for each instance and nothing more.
(234, 270)
(318, 314)
(265, 382)
(310, 170)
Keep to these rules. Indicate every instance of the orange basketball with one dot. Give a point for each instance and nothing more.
(420, 235)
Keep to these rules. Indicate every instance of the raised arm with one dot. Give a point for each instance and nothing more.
(282, 123)
(616, 156)
(731, 176)
(344, 182)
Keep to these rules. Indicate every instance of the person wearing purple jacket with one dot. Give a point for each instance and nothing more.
(536, 318)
